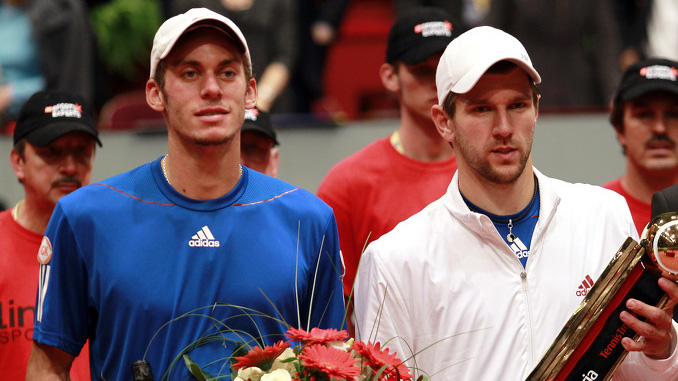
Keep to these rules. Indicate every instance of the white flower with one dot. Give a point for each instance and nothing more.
(288, 366)
(252, 373)
(341, 345)
(277, 375)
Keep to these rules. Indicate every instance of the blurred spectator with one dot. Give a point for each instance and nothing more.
(396, 176)
(468, 12)
(662, 29)
(647, 28)
(52, 156)
(573, 44)
(258, 143)
(20, 72)
(453, 7)
(645, 118)
(46, 44)
(318, 24)
(271, 30)
(631, 17)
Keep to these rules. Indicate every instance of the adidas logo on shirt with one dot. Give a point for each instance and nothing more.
(203, 238)
(519, 248)
(585, 286)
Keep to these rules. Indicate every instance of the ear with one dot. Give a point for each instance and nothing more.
(389, 77)
(443, 123)
(274, 162)
(154, 96)
(251, 95)
(17, 163)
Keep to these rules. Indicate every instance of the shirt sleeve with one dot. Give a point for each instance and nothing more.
(327, 300)
(380, 308)
(638, 367)
(61, 306)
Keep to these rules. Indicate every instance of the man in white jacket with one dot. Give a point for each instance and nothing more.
(478, 284)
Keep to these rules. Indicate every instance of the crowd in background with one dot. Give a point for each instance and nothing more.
(100, 48)
(450, 113)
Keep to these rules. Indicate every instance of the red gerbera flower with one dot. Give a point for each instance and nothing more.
(377, 358)
(261, 358)
(335, 363)
(317, 335)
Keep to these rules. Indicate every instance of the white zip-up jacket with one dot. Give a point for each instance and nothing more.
(444, 287)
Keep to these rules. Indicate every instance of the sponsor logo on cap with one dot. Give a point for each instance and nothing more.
(659, 72)
(434, 28)
(64, 110)
(251, 114)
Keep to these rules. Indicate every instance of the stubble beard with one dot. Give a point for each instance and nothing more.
(486, 170)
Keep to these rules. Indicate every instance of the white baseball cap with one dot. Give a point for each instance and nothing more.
(469, 56)
(170, 31)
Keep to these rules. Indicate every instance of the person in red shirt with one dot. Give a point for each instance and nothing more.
(54, 144)
(394, 177)
(645, 119)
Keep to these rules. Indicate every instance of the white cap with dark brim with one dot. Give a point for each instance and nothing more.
(469, 56)
(172, 29)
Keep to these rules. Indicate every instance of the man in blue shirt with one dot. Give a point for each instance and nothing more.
(191, 254)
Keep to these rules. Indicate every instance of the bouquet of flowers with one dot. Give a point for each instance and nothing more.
(323, 355)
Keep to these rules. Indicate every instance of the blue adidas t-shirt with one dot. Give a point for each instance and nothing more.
(144, 272)
(516, 229)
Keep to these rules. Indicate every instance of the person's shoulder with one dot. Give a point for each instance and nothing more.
(412, 235)
(358, 167)
(5, 216)
(614, 185)
(585, 194)
(133, 183)
(369, 156)
(266, 190)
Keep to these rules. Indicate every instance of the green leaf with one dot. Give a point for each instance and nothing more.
(197, 371)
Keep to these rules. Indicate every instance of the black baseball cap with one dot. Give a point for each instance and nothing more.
(48, 115)
(259, 121)
(418, 34)
(646, 76)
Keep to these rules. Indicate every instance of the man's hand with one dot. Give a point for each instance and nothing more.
(657, 337)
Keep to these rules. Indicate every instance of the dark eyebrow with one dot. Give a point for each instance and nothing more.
(223, 63)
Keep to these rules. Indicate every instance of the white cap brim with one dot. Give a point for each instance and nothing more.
(469, 56)
(175, 27)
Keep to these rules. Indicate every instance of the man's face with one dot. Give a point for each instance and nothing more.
(651, 131)
(418, 87)
(53, 171)
(206, 90)
(493, 127)
(257, 152)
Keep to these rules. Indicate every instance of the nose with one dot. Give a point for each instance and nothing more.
(211, 88)
(659, 125)
(502, 124)
(68, 165)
